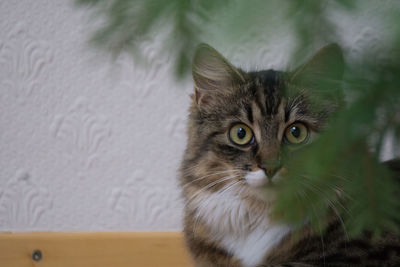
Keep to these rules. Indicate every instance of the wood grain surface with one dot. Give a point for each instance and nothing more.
(93, 249)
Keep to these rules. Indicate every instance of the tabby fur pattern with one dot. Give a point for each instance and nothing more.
(229, 189)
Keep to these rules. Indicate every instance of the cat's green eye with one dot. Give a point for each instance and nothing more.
(240, 134)
(296, 133)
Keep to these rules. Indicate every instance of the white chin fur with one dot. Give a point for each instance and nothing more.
(256, 178)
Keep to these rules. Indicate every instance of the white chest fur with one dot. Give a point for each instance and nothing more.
(247, 234)
(252, 248)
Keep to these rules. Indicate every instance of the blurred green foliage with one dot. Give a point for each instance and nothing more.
(340, 172)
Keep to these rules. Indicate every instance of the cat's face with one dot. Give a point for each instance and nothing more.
(245, 127)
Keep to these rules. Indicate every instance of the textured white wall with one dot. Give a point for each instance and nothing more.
(89, 145)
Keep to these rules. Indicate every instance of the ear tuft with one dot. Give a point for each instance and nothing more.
(213, 75)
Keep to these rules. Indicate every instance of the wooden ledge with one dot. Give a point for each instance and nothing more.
(147, 249)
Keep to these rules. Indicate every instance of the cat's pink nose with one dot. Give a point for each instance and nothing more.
(270, 170)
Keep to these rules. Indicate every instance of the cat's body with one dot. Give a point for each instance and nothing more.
(240, 128)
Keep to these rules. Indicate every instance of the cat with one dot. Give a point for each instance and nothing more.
(239, 124)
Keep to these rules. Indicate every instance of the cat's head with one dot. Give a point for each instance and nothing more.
(244, 126)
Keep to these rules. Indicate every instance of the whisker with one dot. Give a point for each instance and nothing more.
(341, 220)
(319, 228)
(211, 174)
(223, 179)
(196, 221)
(338, 176)
(332, 205)
(230, 187)
(323, 192)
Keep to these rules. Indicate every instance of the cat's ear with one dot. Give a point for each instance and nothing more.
(321, 79)
(325, 66)
(214, 77)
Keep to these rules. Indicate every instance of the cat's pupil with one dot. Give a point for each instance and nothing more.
(295, 131)
(241, 133)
